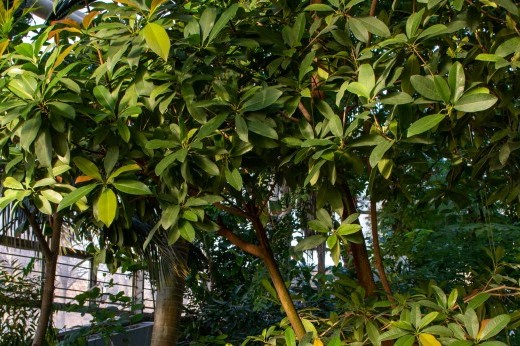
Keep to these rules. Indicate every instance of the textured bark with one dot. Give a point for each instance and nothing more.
(168, 310)
(359, 251)
(50, 255)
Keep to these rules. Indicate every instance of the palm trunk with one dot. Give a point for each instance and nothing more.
(168, 310)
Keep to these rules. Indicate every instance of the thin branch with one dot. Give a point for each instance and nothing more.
(251, 249)
(38, 233)
(305, 112)
(232, 210)
(373, 7)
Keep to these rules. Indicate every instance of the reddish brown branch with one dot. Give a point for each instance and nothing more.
(251, 249)
(44, 245)
(232, 210)
(305, 112)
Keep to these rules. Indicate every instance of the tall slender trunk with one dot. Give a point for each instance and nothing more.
(277, 279)
(359, 251)
(168, 310)
(50, 255)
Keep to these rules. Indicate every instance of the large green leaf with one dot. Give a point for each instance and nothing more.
(493, 326)
(167, 161)
(424, 124)
(30, 130)
(475, 102)
(207, 21)
(87, 167)
(426, 87)
(132, 187)
(234, 178)
(104, 97)
(157, 39)
(187, 230)
(379, 151)
(310, 242)
(43, 148)
(456, 80)
(105, 207)
(223, 20)
(374, 26)
(76, 195)
(262, 99)
(262, 128)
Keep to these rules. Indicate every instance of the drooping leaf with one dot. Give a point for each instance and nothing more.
(187, 231)
(428, 340)
(223, 20)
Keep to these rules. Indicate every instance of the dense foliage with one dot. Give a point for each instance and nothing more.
(163, 111)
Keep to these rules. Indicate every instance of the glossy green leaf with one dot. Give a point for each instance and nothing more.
(212, 125)
(105, 207)
(319, 8)
(170, 216)
(358, 29)
(471, 322)
(347, 229)
(207, 21)
(43, 148)
(87, 167)
(157, 39)
(310, 242)
(207, 165)
(493, 326)
(167, 161)
(397, 99)
(234, 178)
(424, 124)
(223, 20)
(105, 99)
(30, 130)
(426, 87)
(132, 187)
(413, 22)
(475, 102)
(379, 151)
(110, 160)
(456, 80)
(432, 31)
(12, 183)
(290, 337)
(75, 195)
(374, 26)
(187, 231)
(508, 47)
(123, 169)
(262, 129)
(442, 88)
(261, 99)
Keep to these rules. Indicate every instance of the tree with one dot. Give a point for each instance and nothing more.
(222, 104)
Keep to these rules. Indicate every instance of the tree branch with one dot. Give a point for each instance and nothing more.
(44, 245)
(251, 249)
(232, 210)
(305, 112)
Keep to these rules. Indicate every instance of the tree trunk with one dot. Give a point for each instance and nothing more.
(359, 251)
(50, 255)
(378, 258)
(168, 310)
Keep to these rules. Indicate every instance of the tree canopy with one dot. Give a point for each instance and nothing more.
(169, 112)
